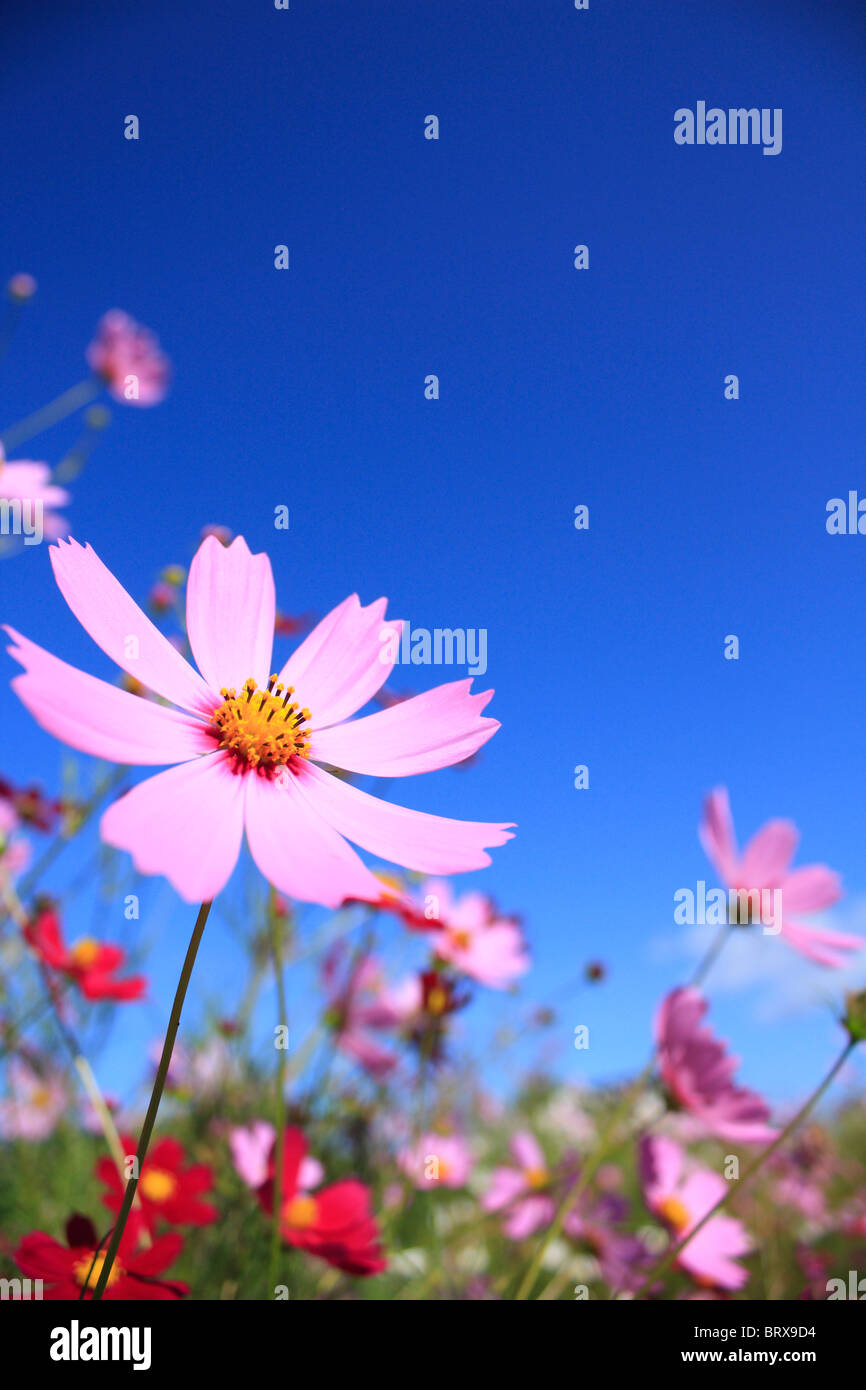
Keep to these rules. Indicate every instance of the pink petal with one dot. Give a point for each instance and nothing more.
(661, 1166)
(230, 608)
(527, 1150)
(106, 611)
(298, 851)
(810, 889)
(433, 730)
(716, 834)
(817, 944)
(768, 854)
(186, 823)
(428, 844)
(98, 718)
(346, 658)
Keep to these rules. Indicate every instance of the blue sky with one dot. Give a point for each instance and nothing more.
(558, 387)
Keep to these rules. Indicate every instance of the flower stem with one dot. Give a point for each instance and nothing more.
(66, 404)
(280, 1109)
(663, 1264)
(155, 1097)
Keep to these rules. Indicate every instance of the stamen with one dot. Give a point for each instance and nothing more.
(265, 736)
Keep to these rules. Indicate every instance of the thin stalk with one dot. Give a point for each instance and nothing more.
(155, 1097)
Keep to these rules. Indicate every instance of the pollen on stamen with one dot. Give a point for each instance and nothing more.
(263, 734)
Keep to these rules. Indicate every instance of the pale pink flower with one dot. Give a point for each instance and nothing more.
(522, 1190)
(30, 484)
(437, 1160)
(35, 1105)
(246, 749)
(129, 360)
(468, 933)
(765, 864)
(251, 1148)
(698, 1072)
(680, 1197)
(21, 287)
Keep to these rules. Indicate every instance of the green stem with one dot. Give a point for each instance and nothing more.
(155, 1098)
(48, 415)
(280, 1109)
(662, 1265)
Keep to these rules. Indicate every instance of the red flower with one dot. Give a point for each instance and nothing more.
(65, 1268)
(334, 1223)
(31, 805)
(165, 1188)
(89, 964)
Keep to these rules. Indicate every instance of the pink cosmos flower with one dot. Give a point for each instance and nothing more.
(30, 485)
(681, 1198)
(521, 1189)
(467, 933)
(35, 1105)
(764, 864)
(356, 1004)
(246, 750)
(129, 360)
(252, 1147)
(437, 1160)
(699, 1073)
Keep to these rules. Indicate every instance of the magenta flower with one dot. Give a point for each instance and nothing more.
(129, 360)
(764, 864)
(468, 933)
(522, 1189)
(680, 1198)
(14, 849)
(699, 1073)
(29, 484)
(246, 749)
(356, 1005)
(437, 1160)
(35, 1105)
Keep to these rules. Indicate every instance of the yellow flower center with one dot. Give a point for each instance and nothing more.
(41, 1097)
(264, 729)
(301, 1211)
(81, 1268)
(673, 1211)
(157, 1185)
(437, 1001)
(535, 1177)
(85, 951)
(461, 940)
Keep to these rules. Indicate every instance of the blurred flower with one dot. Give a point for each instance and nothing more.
(355, 1004)
(167, 1190)
(90, 965)
(219, 533)
(26, 481)
(129, 360)
(468, 932)
(335, 1223)
(764, 864)
(248, 761)
(699, 1073)
(21, 287)
(65, 1268)
(522, 1189)
(286, 626)
(680, 1198)
(31, 805)
(161, 597)
(14, 849)
(437, 1160)
(36, 1104)
(595, 971)
(251, 1148)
